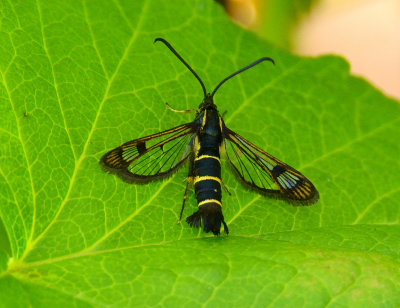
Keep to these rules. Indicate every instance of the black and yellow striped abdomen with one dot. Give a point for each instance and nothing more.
(207, 176)
(207, 172)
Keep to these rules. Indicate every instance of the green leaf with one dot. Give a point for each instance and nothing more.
(79, 78)
(282, 16)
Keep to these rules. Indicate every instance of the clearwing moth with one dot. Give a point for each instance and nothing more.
(159, 155)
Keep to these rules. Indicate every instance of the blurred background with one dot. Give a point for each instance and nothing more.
(365, 32)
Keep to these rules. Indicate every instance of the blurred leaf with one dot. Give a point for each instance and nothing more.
(79, 78)
(277, 19)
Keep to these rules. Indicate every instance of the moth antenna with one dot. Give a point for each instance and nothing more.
(241, 70)
(183, 61)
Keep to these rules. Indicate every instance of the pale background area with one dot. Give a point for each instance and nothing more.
(365, 32)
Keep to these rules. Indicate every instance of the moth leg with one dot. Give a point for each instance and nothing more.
(226, 188)
(181, 111)
(189, 181)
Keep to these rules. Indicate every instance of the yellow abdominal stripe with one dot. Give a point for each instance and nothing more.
(210, 201)
(207, 156)
(205, 178)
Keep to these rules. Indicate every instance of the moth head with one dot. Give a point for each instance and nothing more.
(208, 102)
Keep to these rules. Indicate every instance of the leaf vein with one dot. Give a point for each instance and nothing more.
(86, 145)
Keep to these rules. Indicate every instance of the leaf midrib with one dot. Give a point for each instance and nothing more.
(19, 266)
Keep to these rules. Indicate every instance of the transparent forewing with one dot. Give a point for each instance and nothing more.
(265, 173)
(151, 157)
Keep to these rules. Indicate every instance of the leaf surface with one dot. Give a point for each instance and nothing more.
(81, 77)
